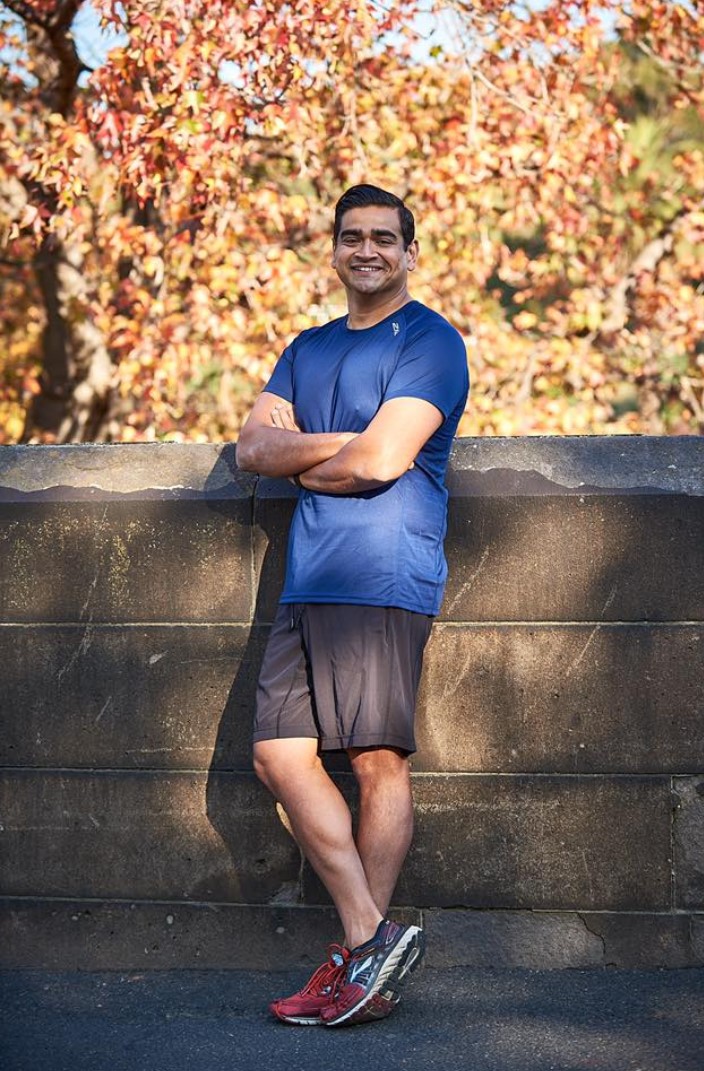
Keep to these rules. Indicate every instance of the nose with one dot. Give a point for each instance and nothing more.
(367, 248)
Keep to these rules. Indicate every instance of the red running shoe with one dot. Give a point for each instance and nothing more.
(304, 1007)
(369, 987)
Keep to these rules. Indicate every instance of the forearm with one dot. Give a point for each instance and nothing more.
(276, 452)
(356, 467)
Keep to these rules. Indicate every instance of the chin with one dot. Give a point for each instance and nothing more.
(367, 284)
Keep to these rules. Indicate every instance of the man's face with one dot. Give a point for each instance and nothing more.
(369, 257)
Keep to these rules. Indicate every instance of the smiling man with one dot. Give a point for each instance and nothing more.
(360, 414)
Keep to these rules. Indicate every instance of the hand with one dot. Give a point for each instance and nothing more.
(282, 417)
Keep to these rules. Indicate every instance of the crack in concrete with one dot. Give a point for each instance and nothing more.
(596, 934)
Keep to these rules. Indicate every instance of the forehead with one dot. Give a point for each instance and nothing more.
(371, 218)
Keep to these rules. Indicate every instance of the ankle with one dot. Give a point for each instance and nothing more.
(362, 935)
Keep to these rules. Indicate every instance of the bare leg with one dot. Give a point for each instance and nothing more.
(385, 827)
(322, 825)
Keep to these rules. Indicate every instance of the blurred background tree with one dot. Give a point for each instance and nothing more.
(166, 215)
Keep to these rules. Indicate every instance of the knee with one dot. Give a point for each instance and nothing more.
(380, 769)
(261, 767)
(279, 763)
(267, 767)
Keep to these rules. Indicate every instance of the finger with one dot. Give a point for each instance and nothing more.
(289, 421)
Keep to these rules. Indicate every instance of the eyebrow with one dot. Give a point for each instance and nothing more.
(377, 232)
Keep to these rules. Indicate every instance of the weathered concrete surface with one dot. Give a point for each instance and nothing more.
(97, 696)
(274, 503)
(575, 558)
(689, 842)
(644, 941)
(697, 932)
(147, 470)
(510, 939)
(127, 561)
(575, 529)
(110, 935)
(578, 464)
(562, 698)
(542, 939)
(126, 935)
(122, 935)
(143, 835)
(549, 842)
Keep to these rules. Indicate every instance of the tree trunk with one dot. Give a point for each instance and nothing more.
(77, 374)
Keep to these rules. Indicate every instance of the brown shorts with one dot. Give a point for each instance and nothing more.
(346, 675)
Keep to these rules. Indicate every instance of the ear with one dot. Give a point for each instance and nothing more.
(412, 255)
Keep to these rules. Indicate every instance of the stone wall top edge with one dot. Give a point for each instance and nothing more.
(91, 471)
(520, 466)
(583, 465)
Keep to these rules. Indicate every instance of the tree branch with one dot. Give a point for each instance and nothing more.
(11, 263)
(60, 68)
(28, 15)
(647, 260)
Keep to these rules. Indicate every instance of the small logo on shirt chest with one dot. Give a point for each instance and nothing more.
(395, 327)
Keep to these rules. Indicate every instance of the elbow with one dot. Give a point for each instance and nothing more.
(384, 468)
(245, 455)
(389, 473)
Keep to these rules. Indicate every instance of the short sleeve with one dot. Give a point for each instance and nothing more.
(433, 366)
(281, 381)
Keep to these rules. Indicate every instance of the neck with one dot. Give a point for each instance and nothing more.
(361, 314)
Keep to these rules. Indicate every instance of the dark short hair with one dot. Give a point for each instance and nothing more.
(363, 195)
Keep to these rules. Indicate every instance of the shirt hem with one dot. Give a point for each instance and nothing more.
(336, 600)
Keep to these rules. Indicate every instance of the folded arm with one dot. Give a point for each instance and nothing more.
(271, 444)
(380, 454)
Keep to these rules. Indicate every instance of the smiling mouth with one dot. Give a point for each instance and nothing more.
(366, 267)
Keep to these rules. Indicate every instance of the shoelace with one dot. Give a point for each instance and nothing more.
(328, 974)
(341, 979)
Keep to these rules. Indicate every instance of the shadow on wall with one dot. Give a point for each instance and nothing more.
(248, 822)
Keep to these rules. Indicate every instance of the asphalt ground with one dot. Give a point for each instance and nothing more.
(483, 1020)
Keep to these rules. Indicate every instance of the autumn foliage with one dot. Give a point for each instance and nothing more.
(166, 217)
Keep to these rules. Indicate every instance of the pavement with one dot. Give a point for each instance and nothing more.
(478, 1019)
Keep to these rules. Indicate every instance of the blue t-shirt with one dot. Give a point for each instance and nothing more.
(382, 547)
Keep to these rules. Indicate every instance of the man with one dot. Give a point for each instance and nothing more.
(360, 413)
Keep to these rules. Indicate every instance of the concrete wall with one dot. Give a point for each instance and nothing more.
(560, 777)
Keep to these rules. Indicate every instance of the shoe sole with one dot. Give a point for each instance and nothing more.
(295, 1020)
(384, 996)
(299, 1022)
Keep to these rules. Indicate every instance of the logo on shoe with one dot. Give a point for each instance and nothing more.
(359, 968)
